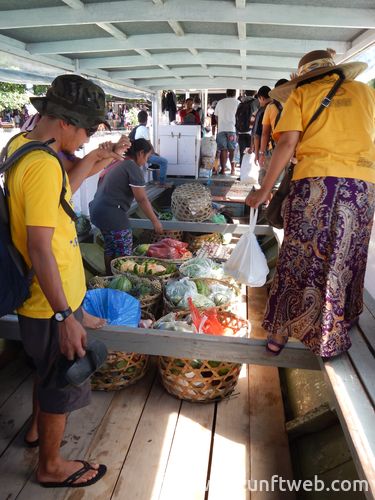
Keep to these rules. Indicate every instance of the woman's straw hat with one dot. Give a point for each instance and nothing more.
(315, 63)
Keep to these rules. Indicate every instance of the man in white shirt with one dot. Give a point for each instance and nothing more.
(226, 138)
(141, 131)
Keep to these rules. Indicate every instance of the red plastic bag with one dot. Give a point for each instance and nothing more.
(206, 321)
(167, 248)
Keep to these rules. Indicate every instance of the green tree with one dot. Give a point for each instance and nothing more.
(12, 96)
(40, 90)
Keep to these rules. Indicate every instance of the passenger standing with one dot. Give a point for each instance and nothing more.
(256, 133)
(244, 113)
(317, 292)
(226, 137)
(46, 237)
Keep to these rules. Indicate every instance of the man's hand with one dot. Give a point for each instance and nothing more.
(261, 160)
(158, 227)
(72, 338)
(256, 198)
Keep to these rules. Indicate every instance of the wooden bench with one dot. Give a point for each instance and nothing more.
(351, 378)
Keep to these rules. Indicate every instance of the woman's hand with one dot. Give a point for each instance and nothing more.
(122, 145)
(256, 198)
(158, 228)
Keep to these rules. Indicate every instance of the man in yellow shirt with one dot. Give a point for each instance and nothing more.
(46, 237)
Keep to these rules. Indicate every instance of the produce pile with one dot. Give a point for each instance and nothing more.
(204, 294)
(147, 267)
(167, 248)
(123, 283)
(202, 267)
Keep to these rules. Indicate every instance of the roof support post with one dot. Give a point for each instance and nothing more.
(156, 110)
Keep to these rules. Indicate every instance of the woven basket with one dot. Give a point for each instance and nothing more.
(149, 303)
(175, 235)
(191, 202)
(197, 240)
(121, 369)
(170, 307)
(203, 381)
(116, 263)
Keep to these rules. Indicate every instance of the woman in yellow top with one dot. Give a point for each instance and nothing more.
(317, 292)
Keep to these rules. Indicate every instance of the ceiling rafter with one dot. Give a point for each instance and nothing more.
(241, 28)
(194, 10)
(146, 54)
(198, 41)
(240, 4)
(112, 30)
(177, 28)
(75, 4)
(207, 82)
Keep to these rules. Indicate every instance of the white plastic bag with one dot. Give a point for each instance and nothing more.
(249, 169)
(248, 264)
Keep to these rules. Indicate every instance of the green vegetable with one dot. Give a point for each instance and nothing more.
(165, 215)
(223, 371)
(121, 283)
(195, 363)
(179, 362)
(202, 287)
(141, 249)
(214, 364)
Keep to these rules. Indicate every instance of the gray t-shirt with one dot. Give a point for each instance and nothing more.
(112, 200)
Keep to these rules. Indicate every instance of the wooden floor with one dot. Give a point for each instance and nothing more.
(155, 446)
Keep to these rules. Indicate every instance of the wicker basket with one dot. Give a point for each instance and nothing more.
(149, 303)
(175, 235)
(197, 240)
(203, 381)
(116, 263)
(170, 307)
(121, 369)
(191, 202)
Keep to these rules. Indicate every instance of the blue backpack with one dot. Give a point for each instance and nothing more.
(15, 277)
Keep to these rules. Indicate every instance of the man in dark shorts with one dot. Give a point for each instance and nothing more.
(46, 237)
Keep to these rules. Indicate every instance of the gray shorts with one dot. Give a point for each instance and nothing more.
(40, 341)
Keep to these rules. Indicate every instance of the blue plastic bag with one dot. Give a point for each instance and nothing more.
(117, 307)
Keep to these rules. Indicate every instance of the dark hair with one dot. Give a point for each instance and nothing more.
(189, 99)
(264, 92)
(138, 146)
(281, 82)
(197, 100)
(231, 92)
(142, 116)
(250, 93)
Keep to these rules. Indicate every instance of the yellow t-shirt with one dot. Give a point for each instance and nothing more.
(340, 142)
(34, 186)
(270, 116)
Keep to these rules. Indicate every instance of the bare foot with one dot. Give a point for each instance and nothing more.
(32, 434)
(63, 469)
(90, 321)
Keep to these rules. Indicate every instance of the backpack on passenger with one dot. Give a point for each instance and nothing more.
(243, 115)
(15, 277)
(132, 133)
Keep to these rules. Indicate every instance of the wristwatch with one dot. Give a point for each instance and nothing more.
(61, 316)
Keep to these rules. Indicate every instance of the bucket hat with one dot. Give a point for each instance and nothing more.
(316, 63)
(75, 99)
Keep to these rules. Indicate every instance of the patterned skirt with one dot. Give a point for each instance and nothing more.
(317, 291)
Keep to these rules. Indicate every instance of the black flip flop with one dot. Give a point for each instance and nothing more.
(276, 344)
(69, 482)
(77, 372)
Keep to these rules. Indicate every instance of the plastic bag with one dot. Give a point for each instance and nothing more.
(170, 322)
(118, 308)
(206, 321)
(176, 290)
(221, 294)
(201, 267)
(249, 169)
(248, 264)
(168, 248)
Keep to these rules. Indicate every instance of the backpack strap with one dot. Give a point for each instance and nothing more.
(7, 162)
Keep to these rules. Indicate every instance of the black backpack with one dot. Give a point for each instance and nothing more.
(132, 133)
(243, 115)
(15, 277)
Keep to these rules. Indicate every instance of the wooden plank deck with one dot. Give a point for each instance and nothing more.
(155, 446)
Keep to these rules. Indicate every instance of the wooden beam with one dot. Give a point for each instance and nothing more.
(359, 44)
(160, 3)
(240, 4)
(199, 41)
(75, 4)
(356, 415)
(241, 28)
(194, 10)
(177, 28)
(112, 30)
(143, 52)
(188, 345)
(193, 51)
(173, 58)
(203, 83)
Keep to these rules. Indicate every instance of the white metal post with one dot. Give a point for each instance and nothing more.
(156, 115)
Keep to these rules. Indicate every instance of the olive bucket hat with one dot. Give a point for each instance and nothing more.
(75, 99)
